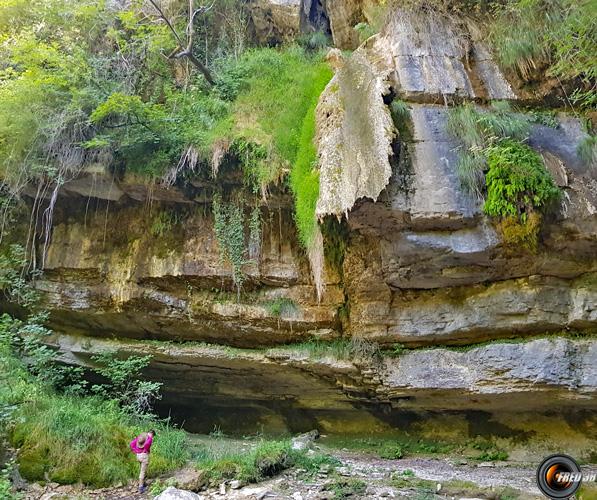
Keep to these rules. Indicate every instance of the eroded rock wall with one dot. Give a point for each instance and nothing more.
(421, 270)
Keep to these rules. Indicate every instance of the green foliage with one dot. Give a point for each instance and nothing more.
(544, 117)
(136, 396)
(158, 486)
(230, 233)
(304, 182)
(559, 35)
(401, 117)
(489, 451)
(346, 487)
(365, 31)
(73, 439)
(585, 99)
(56, 74)
(284, 132)
(13, 279)
(314, 41)
(391, 451)
(163, 223)
(408, 480)
(397, 350)
(517, 181)
(6, 490)
(479, 128)
(470, 168)
(255, 464)
(255, 233)
(587, 150)
(91, 84)
(282, 307)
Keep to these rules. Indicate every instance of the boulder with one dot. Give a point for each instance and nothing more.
(304, 441)
(189, 478)
(173, 493)
(274, 21)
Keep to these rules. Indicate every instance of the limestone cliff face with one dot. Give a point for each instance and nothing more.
(422, 266)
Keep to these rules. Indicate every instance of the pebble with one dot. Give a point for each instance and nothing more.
(486, 464)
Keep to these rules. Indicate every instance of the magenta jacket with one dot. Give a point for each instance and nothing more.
(145, 448)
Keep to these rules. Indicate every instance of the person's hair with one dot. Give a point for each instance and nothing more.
(152, 432)
(141, 438)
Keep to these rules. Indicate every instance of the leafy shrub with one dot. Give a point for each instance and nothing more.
(391, 451)
(478, 129)
(517, 181)
(125, 385)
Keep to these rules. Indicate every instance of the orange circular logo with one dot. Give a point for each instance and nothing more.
(559, 476)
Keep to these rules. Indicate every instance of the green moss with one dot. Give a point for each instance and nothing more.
(519, 234)
(304, 181)
(391, 446)
(346, 487)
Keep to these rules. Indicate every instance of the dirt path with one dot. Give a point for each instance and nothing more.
(361, 476)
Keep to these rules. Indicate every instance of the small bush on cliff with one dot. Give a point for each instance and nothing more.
(519, 187)
(478, 129)
(517, 181)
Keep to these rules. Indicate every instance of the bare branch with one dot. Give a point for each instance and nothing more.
(186, 49)
(167, 21)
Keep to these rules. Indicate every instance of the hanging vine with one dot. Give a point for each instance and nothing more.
(230, 233)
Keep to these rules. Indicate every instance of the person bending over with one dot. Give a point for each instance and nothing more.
(141, 447)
